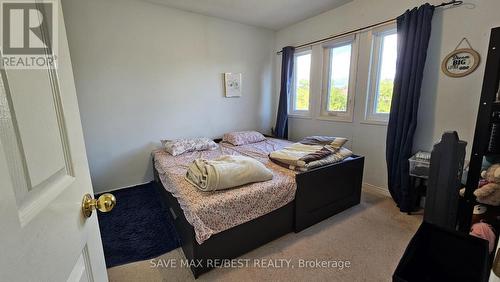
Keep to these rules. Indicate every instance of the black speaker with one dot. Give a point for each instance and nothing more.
(445, 174)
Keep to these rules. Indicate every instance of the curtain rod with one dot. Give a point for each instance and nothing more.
(454, 3)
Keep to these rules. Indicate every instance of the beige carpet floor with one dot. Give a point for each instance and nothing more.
(371, 237)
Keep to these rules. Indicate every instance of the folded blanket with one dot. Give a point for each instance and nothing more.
(335, 142)
(338, 156)
(318, 155)
(226, 172)
(293, 154)
(335, 157)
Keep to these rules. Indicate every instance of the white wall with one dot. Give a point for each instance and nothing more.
(446, 103)
(144, 72)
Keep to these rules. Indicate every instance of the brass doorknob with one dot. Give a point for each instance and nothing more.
(105, 203)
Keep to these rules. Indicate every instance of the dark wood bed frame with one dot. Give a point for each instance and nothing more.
(321, 193)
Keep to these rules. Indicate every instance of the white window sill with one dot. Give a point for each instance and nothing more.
(302, 116)
(375, 122)
(336, 118)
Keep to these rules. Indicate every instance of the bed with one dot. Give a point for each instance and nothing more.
(229, 223)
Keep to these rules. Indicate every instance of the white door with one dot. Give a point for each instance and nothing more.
(43, 177)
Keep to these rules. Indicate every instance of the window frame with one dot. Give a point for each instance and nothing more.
(291, 105)
(325, 114)
(377, 36)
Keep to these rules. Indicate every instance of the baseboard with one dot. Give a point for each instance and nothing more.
(119, 188)
(377, 189)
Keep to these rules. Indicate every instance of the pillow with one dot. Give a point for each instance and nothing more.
(243, 137)
(335, 142)
(180, 146)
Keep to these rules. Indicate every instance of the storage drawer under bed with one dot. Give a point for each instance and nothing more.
(327, 190)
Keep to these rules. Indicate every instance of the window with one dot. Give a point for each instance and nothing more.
(338, 83)
(330, 76)
(382, 73)
(301, 84)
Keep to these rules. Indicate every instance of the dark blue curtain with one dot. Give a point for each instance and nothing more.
(281, 128)
(414, 30)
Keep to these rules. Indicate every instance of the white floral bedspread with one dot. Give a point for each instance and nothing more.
(213, 212)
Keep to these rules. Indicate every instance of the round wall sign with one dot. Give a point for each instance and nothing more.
(460, 62)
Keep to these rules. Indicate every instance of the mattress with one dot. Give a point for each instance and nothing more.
(213, 212)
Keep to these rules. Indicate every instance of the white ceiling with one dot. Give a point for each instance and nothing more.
(271, 14)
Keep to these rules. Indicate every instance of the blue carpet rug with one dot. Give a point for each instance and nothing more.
(138, 228)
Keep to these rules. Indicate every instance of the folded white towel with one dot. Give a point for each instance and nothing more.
(226, 172)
